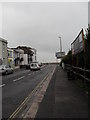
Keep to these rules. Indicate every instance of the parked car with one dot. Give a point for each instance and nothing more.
(34, 66)
(5, 69)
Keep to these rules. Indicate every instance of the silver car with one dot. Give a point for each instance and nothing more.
(34, 66)
(5, 69)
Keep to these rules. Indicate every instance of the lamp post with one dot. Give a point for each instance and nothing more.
(60, 54)
(60, 47)
(60, 44)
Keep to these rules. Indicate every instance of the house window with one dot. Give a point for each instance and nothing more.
(9, 54)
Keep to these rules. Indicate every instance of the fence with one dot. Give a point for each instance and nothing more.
(78, 72)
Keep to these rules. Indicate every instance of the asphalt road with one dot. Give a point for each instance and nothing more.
(17, 86)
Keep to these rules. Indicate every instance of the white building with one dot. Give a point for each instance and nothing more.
(28, 54)
(18, 57)
(3, 51)
(34, 57)
(22, 55)
(11, 57)
(15, 57)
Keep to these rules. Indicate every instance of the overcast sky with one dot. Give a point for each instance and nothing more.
(89, 13)
(38, 25)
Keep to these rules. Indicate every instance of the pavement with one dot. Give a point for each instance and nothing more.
(63, 98)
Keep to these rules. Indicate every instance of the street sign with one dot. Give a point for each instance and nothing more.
(60, 55)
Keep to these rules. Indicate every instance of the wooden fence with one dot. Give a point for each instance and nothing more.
(83, 73)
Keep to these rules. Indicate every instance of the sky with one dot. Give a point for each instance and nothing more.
(39, 24)
(89, 12)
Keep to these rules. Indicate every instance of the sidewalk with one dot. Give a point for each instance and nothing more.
(63, 99)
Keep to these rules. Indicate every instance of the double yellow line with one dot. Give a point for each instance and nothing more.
(26, 99)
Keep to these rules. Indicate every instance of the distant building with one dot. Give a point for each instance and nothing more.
(28, 54)
(34, 57)
(11, 57)
(18, 57)
(21, 56)
(3, 51)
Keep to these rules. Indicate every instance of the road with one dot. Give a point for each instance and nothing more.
(17, 86)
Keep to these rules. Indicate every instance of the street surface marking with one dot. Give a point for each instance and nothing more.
(31, 113)
(18, 78)
(30, 74)
(13, 115)
(2, 85)
(27, 98)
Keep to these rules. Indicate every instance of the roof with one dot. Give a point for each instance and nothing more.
(3, 40)
(27, 50)
(18, 50)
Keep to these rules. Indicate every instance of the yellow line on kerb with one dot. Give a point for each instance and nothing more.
(26, 99)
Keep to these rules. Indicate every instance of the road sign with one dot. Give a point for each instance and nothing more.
(60, 55)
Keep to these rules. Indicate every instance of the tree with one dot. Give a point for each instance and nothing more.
(68, 58)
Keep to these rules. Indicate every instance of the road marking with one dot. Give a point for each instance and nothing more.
(2, 85)
(18, 78)
(30, 74)
(27, 98)
(13, 115)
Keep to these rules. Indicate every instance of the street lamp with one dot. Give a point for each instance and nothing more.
(60, 44)
(60, 54)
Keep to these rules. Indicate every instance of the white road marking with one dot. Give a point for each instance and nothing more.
(2, 85)
(18, 78)
(30, 74)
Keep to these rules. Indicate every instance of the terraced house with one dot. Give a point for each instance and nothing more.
(3, 51)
